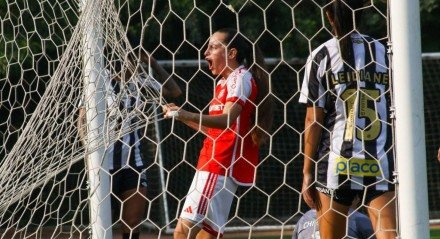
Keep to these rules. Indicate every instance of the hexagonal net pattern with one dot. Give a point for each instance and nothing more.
(86, 81)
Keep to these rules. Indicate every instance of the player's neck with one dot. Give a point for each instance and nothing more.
(229, 69)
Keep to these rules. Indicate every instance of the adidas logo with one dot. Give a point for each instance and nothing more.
(188, 210)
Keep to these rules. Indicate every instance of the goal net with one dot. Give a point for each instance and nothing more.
(431, 80)
(45, 181)
(55, 56)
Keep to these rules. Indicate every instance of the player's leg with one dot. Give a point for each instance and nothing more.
(206, 207)
(218, 208)
(189, 223)
(382, 212)
(133, 202)
(205, 235)
(185, 229)
(332, 217)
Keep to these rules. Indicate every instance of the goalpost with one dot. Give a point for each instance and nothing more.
(97, 164)
(409, 123)
(54, 55)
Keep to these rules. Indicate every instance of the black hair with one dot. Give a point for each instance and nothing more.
(346, 15)
(250, 55)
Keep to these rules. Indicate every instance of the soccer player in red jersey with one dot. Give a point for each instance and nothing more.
(230, 151)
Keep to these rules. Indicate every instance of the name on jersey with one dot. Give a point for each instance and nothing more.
(357, 167)
(345, 77)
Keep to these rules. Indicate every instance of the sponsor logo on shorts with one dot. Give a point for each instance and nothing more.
(327, 191)
(188, 210)
(357, 167)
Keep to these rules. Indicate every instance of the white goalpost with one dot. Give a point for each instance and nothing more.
(59, 57)
(409, 124)
(97, 164)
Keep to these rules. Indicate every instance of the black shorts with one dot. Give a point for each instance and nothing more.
(346, 196)
(126, 179)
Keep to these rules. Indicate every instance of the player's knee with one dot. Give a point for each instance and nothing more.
(185, 229)
(180, 234)
(205, 235)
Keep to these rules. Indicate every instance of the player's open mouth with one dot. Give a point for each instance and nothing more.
(209, 64)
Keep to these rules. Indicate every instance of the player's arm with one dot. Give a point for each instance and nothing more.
(172, 108)
(230, 113)
(170, 87)
(312, 135)
(195, 126)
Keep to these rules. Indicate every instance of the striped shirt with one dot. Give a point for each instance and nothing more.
(126, 105)
(355, 97)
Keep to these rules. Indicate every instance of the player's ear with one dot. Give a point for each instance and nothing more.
(232, 53)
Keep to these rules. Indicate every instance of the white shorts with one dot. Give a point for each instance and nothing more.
(209, 201)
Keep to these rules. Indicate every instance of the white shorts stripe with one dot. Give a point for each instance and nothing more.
(209, 201)
(205, 195)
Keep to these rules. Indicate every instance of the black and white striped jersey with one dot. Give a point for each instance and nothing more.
(355, 96)
(126, 106)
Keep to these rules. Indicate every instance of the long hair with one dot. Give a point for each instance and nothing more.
(342, 12)
(251, 56)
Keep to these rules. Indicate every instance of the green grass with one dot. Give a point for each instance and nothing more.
(435, 233)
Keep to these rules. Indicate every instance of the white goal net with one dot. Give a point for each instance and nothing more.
(55, 57)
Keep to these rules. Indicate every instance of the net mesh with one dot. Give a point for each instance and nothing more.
(431, 64)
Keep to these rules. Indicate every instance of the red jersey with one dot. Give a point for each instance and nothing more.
(231, 151)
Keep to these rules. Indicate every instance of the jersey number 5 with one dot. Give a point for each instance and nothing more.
(366, 100)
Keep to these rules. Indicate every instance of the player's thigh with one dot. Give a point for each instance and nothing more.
(209, 201)
(332, 217)
(135, 200)
(382, 212)
(133, 195)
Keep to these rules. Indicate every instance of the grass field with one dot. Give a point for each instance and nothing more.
(435, 234)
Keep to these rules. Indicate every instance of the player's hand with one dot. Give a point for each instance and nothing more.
(308, 191)
(170, 110)
(174, 111)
